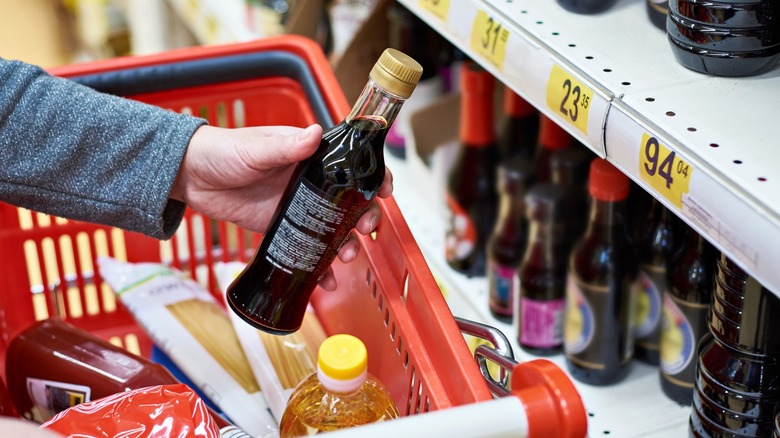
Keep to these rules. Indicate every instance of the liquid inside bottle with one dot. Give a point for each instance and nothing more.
(519, 129)
(339, 395)
(598, 334)
(327, 194)
(552, 140)
(543, 273)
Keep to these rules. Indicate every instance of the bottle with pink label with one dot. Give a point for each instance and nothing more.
(543, 272)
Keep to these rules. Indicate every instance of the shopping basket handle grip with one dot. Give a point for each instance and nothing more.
(207, 71)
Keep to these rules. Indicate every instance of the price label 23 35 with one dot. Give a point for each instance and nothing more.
(569, 97)
(667, 173)
(489, 39)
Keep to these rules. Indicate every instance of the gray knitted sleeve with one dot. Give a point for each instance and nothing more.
(70, 151)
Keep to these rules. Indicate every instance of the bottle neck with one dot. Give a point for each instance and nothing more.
(607, 217)
(377, 104)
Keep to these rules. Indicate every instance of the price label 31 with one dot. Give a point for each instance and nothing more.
(667, 173)
(439, 8)
(489, 39)
(569, 97)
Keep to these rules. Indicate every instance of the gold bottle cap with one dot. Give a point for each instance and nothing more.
(396, 72)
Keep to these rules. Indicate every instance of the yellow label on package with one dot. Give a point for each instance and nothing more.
(489, 39)
(569, 97)
(667, 173)
(439, 8)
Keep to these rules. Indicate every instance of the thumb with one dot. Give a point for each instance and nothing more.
(271, 149)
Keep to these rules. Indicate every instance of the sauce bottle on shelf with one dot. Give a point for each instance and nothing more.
(587, 6)
(471, 191)
(737, 390)
(322, 203)
(543, 272)
(569, 169)
(519, 129)
(598, 335)
(690, 276)
(508, 241)
(552, 140)
(340, 394)
(658, 239)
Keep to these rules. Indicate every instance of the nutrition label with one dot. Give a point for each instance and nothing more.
(307, 225)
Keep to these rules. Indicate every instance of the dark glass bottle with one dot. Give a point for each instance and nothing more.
(690, 276)
(587, 6)
(519, 129)
(657, 11)
(326, 195)
(658, 240)
(471, 192)
(569, 169)
(598, 335)
(552, 140)
(543, 272)
(508, 241)
(737, 389)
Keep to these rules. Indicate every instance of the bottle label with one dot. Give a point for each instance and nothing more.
(579, 326)
(648, 303)
(306, 230)
(678, 342)
(461, 236)
(50, 397)
(503, 280)
(541, 322)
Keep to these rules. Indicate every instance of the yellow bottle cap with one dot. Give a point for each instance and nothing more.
(342, 357)
(396, 72)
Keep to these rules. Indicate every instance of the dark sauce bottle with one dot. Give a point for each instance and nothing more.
(690, 276)
(586, 6)
(520, 128)
(543, 272)
(552, 140)
(471, 185)
(327, 194)
(658, 239)
(598, 335)
(657, 11)
(569, 171)
(508, 241)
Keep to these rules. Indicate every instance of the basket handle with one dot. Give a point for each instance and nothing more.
(501, 354)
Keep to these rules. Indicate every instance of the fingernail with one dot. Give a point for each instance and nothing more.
(306, 133)
(351, 255)
(373, 222)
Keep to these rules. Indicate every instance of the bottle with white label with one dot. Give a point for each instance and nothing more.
(598, 335)
(327, 194)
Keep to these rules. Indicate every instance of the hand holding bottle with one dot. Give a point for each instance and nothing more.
(238, 175)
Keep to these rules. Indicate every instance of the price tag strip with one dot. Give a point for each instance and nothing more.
(439, 8)
(489, 39)
(569, 97)
(664, 170)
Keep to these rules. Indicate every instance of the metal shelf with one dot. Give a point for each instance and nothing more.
(720, 129)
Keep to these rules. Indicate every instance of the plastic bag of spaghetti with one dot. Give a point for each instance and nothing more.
(190, 326)
(163, 411)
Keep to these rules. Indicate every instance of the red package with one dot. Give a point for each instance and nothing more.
(163, 411)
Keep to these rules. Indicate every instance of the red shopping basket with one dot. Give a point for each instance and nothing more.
(387, 297)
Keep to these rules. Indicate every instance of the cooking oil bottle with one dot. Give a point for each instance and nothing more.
(340, 394)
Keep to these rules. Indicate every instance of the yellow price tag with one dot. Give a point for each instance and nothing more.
(489, 38)
(569, 97)
(667, 173)
(439, 8)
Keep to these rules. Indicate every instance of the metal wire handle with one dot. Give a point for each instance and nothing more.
(501, 354)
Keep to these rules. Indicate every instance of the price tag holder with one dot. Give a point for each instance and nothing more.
(667, 173)
(489, 39)
(569, 97)
(439, 8)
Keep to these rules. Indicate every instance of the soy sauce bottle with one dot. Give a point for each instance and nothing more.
(658, 240)
(326, 195)
(520, 128)
(510, 236)
(587, 6)
(569, 171)
(471, 192)
(598, 335)
(552, 140)
(543, 272)
(684, 322)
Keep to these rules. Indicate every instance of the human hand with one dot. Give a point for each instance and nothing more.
(239, 175)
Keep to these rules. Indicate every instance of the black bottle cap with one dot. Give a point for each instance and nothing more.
(515, 175)
(544, 202)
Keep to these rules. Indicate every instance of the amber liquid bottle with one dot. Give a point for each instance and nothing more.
(598, 335)
(327, 194)
(508, 241)
(471, 191)
(519, 129)
(552, 140)
(543, 272)
(658, 240)
(686, 306)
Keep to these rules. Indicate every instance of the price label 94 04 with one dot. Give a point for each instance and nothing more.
(667, 173)
(439, 8)
(569, 97)
(489, 38)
